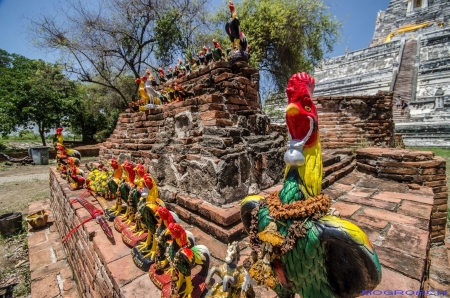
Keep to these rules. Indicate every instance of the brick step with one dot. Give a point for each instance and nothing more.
(405, 76)
(224, 217)
(342, 140)
(51, 275)
(223, 234)
(338, 118)
(340, 126)
(338, 174)
(335, 145)
(329, 169)
(328, 160)
(329, 133)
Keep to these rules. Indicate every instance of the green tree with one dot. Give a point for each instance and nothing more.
(104, 40)
(274, 107)
(94, 113)
(14, 71)
(33, 93)
(285, 36)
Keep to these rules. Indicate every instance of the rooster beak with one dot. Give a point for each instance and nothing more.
(167, 232)
(292, 109)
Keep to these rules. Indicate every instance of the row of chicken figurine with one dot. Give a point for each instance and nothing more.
(68, 162)
(150, 97)
(208, 55)
(159, 243)
(298, 245)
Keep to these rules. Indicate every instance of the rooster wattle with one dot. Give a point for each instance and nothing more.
(300, 248)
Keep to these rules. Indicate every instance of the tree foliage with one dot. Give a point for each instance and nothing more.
(103, 40)
(274, 107)
(32, 92)
(285, 36)
(95, 111)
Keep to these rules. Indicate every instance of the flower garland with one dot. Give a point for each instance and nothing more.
(299, 209)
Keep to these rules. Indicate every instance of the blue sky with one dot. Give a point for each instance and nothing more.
(358, 16)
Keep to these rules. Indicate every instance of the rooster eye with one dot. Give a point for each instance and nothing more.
(308, 109)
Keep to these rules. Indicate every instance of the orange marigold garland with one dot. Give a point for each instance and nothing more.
(312, 208)
(299, 209)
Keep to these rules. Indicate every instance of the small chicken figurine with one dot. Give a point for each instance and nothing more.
(135, 232)
(74, 173)
(182, 258)
(162, 76)
(58, 138)
(300, 248)
(127, 183)
(165, 218)
(114, 180)
(217, 53)
(141, 89)
(144, 253)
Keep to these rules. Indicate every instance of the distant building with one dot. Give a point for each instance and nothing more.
(409, 54)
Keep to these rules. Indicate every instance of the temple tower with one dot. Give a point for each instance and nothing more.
(409, 54)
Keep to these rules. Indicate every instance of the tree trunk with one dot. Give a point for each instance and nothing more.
(41, 133)
(83, 132)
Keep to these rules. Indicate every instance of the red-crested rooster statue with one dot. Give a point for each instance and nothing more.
(300, 248)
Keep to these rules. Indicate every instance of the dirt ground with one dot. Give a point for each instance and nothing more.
(20, 185)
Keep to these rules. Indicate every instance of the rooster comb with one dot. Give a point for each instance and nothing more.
(231, 6)
(300, 85)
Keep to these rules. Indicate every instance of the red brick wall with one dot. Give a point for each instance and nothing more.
(356, 121)
(220, 138)
(92, 278)
(413, 167)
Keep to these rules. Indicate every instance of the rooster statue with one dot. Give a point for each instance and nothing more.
(114, 180)
(300, 249)
(183, 258)
(74, 174)
(62, 152)
(217, 52)
(144, 253)
(232, 27)
(136, 232)
(125, 186)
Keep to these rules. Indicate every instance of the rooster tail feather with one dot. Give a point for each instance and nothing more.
(202, 257)
(248, 204)
(175, 217)
(191, 238)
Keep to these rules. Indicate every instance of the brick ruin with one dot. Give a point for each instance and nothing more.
(356, 121)
(416, 168)
(388, 192)
(411, 63)
(208, 152)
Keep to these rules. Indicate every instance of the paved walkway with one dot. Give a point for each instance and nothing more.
(386, 210)
(51, 275)
(24, 178)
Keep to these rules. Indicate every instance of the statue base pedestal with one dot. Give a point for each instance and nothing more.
(109, 215)
(120, 224)
(71, 187)
(130, 238)
(162, 281)
(235, 56)
(139, 260)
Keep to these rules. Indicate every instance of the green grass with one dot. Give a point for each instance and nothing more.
(16, 248)
(445, 153)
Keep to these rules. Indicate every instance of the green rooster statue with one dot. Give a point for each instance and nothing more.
(299, 248)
